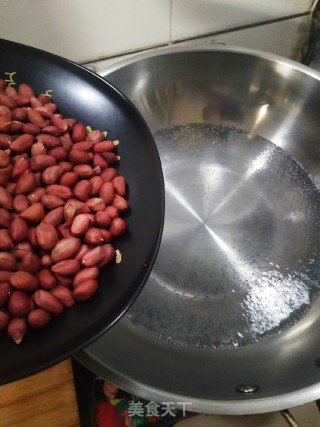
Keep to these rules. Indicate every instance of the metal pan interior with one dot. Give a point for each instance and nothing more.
(233, 298)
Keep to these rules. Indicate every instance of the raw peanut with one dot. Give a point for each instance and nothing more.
(24, 281)
(59, 123)
(117, 227)
(47, 279)
(78, 157)
(30, 263)
(95, 136)
(52, 202)
(46, 261)
(35, 196)
(36, 118)
(5, 275)
(38, 179)
(72, 208)
(47, 101)
(38, 318)
(48, 302)
(38, 148)
(16, 329)
(85, 290)
(103, 219)
(91, 218)
(106, 192)
(109, 252)
(79, 132)
(10, 186)
(59, 153)
(64, 231)
(64, 295)
(7, 101)
(32, 238)
(15, 127)
(18, 230)
(120, 203)
(69, 179)
(92, 257)
(84, 171)
(35, 102)
(19, 304)
(20, 203)
(51, 175)
(10, 91)
(51, 130)
(71, 122)
(30, 128)
(66, 141)
(66, 166)
(20, 166)
(96, 204)
(21, 101)
(45, 113)
(25, 90)
(5, 122)
(67, 267)
(5, 175)
(5, 199)
(65, 249)
(63, 280)
(22, 143)
(54, 217)
(5, 110)
(103, 147)
(98, 160)
(111, 158)
(20, 250)
(80, 224)
(41, 162)
(108, 174)
(5, 292)
(26, 183)
(93, 237)
(85, 274)
(5, 140)
(4, 319)
(83, 250)
(4, 159)
(4, 218)
(112, 211)
(106, 235)
(83, 146)
(6, 244)
(96, 183)
(34, 213)
(82, 190)
(49, 141)
(47, 236)
(61, 191)
(119, 185)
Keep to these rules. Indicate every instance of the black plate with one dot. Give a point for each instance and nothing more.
(84, 95)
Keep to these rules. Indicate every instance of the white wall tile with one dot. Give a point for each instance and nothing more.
(82, 30)
(285, 38)
(192, 18)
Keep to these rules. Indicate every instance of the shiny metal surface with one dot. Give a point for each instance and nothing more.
(234, 294)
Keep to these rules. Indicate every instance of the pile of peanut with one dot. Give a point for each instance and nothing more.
(60, 201)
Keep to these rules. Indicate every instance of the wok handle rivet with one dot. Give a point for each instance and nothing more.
(247, 388)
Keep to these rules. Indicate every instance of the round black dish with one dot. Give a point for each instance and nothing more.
(84, 95)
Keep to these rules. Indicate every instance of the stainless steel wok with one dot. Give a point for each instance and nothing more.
(230, 317)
